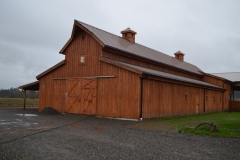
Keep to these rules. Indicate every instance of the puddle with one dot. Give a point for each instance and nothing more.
(27, 115)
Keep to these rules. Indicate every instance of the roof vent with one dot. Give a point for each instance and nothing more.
(129, 35)
(179, 55)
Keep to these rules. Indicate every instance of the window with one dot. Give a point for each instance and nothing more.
(82, 59)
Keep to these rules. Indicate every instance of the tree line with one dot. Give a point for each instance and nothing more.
(16, 93)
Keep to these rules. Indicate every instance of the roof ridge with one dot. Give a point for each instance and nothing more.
(121, 37)
(97, 28)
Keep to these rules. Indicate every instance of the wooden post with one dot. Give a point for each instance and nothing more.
(24, 102)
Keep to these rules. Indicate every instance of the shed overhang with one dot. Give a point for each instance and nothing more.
(30, 86)
(146, 72)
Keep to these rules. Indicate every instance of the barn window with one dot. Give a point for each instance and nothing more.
(83, 37)
(82, 59)
(185, 97)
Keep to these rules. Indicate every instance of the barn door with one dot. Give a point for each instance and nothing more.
(58, 95)
(81, 96)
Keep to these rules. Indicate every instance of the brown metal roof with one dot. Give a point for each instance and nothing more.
(231, 76)
(30, 86)
(119, 43)
(51, 69)
(142, 70)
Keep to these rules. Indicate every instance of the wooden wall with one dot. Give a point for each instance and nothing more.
(118, 97)
(213, 101)
(161, 99)
(82, 43)
(226, 96)
(213, 80)
(234, 106)
(221, 83)
(150, 65)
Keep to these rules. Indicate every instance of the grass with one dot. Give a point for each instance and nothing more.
(227, 124)
(17, 102)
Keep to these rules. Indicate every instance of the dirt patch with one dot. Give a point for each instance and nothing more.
(49, 110)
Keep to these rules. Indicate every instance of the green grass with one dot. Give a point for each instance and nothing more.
(227, 124)
(17, 102)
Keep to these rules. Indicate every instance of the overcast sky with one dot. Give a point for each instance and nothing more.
(33, 32)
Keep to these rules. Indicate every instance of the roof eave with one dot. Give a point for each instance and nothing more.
(175, 79)
(30, 86)
(50, 69)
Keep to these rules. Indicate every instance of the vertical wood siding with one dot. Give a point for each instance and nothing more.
(148, 65)
(119, 96)
(162, 99)
(82, 43)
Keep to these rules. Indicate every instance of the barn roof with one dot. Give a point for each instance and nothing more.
(30, 86)
(231, 76)
(51, 69)
(147, 71)
(116, 42)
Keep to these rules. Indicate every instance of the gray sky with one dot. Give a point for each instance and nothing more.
(33, 32)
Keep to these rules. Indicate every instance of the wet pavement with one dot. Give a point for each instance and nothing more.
(28, 134)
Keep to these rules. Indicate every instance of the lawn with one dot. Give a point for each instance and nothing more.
(225, 124)
(17, 102)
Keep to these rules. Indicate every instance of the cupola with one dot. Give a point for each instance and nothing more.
(129, 35)
(179, 55)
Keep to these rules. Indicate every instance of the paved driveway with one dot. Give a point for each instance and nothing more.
(28, 134)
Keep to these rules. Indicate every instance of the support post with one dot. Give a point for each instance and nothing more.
(24, 102)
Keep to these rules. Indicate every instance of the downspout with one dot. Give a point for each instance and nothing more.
(204, 104)
(223, 98)
(141, 96)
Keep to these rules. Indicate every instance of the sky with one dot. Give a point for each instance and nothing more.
(33, 32)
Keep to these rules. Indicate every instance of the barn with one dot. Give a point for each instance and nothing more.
(113, 76)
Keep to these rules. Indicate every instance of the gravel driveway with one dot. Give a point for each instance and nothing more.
(28, 134)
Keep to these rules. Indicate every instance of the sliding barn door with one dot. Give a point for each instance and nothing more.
(81, 96)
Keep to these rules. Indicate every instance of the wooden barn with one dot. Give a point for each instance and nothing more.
(107, 75)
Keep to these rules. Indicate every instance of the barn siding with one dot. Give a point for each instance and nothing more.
(213, 80)
(119, 96)
(226, 106)
(161, 99)
(148, 65)
(221, 83)
(79, 45)
(213, 101)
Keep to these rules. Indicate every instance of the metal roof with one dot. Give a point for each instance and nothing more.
(117, 42)
(156, 73)
(231, 76)
(50, 69)
(30, 86)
